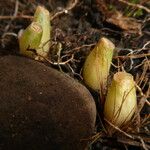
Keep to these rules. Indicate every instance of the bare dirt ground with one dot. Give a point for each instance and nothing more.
(77, 25)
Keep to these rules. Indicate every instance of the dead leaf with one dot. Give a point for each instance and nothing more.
(128, 24)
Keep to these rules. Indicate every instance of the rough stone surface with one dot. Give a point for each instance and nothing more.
(42, 109)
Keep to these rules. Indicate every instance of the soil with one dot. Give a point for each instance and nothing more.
(77, 30)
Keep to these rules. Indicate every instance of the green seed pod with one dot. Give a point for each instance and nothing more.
(30, 39)
(97, 65)
(42, 16)
(120, 104)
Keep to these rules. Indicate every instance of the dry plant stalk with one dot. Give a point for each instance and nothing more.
(30, 39)
(97, 65)
(121, 101)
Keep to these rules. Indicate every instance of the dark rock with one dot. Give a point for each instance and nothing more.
(42, 109)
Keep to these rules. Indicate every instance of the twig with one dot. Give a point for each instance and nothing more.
(93, 138)
(141, 64)
(15, 13)
(16, 8)
(16, 17)
(118, 129)
(129, 142)
(132, 56)
(58, 63)
(65, 10)
(143, 48)
(136, 5)
(143, 144)
(10, 33)
(9, 23)
(80, 47)
(129, 136)
(74, 73)
(70, 6)
(146, 120)
(142, 94)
